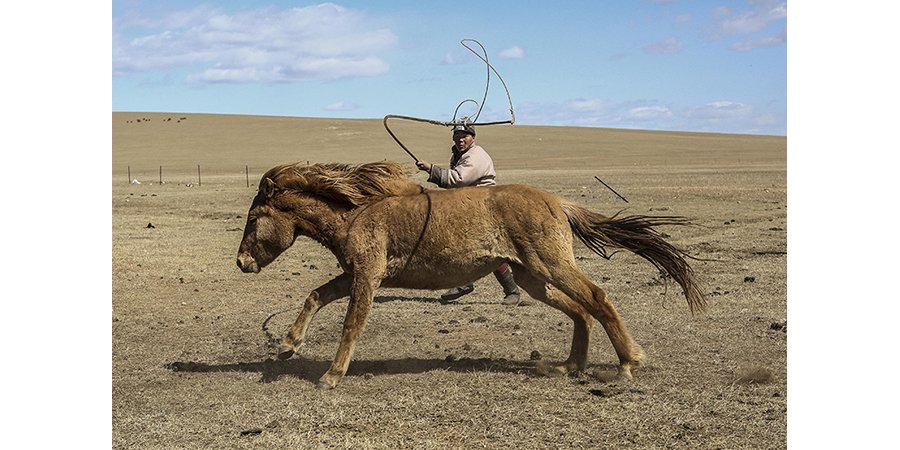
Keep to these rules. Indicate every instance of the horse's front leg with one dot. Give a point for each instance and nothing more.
(361, 293)
(337, 288)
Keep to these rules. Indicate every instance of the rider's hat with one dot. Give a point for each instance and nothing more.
(465, 128)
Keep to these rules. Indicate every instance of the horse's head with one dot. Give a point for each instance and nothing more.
(296, 199)
(270, 230)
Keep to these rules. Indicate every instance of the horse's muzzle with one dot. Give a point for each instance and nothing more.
(247, 264)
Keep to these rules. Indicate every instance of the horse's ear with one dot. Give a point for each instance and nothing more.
(268, 188)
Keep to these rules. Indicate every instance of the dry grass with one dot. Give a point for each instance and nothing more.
(193, 364)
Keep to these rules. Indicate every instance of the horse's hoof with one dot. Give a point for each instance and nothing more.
(548, 370)
(285, 352)
(625, 373)
(324, 386)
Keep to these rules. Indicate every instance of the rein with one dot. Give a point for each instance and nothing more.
(463, 120)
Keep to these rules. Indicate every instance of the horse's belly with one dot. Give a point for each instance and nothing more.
(440, 272)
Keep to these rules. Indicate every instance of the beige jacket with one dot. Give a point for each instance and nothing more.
(471, 167)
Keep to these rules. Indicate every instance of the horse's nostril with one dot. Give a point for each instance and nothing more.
(247, 264)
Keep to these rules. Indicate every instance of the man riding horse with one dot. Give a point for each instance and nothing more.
(470, 165)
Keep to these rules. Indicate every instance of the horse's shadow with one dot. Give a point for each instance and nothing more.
(310, 370)
(420, 299)
(436, 300)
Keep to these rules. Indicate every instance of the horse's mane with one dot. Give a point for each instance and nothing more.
(344, 183)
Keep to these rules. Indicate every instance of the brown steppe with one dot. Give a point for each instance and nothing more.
(193, 338)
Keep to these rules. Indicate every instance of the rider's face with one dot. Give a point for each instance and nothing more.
(462, 140)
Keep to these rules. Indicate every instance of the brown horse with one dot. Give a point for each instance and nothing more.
(388, 231)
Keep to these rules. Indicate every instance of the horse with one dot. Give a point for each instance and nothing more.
(387, 230)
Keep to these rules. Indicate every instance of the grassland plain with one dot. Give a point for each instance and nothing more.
(193, 363)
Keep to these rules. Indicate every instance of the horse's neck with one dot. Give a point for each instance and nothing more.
(329, 220)
(320, 221)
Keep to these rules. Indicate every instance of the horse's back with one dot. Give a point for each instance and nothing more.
(492, 206)
(507, 195)
(504, 218)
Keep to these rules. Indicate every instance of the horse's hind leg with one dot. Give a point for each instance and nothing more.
(337, 288)
(629, 352)
(583, 322)
(595, 300)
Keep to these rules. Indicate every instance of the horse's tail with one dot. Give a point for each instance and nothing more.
(636, 234)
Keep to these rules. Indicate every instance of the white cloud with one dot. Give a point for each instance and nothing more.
(721, 11)
(326, 41)
(582, 106)
(768, 41)
(449, 60)
(642, 113)
(317, 68)
(245, 75)
(749, 22)
(716, 117)
(579, 112)
(766, 119)
(668, 45)
(342, 106)
(720, 111)
(592, 112)
(173, 19)
(512, 53)
(683, 19)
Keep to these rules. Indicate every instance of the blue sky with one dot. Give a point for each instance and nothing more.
(688, 65)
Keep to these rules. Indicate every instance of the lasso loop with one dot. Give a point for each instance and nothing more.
(466, 119)
(463, 120)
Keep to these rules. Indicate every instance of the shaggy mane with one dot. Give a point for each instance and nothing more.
(344, 183)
